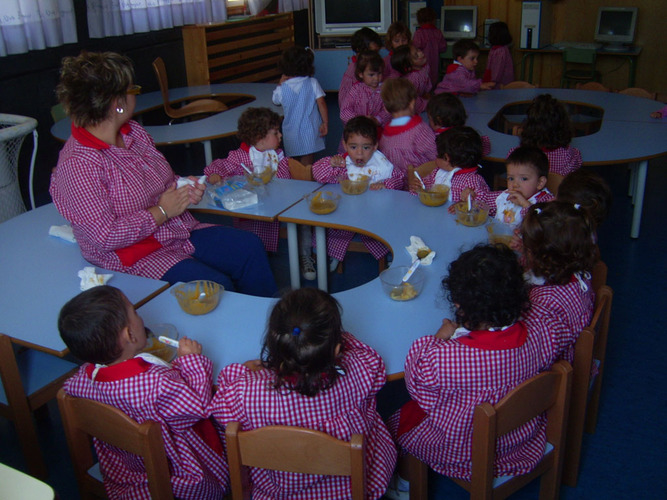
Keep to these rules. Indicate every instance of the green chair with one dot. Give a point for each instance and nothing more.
(578, 66)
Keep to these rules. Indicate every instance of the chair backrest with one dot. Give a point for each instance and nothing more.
(293, 449)
(423, 170)
(518, 84)
(638, 92)
(161, 74)
(84, 418)
(553, 182)
(599, 276)
(299, 171)
(591, 86)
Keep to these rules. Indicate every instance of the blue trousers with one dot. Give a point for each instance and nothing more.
(236, 259)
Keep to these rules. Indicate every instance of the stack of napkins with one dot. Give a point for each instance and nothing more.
(90, 279)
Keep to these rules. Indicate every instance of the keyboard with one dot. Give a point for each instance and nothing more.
(577, 45)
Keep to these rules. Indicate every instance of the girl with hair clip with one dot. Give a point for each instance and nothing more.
(445, 111)
(362, 40)
(411, 64)
(589, 190)
(559, 254)
(547, 126)
(315, 375)
(398, 35)
(499, 64)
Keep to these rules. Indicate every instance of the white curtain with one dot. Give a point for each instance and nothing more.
(35, 24)
(290, 5)
(124, 17)
(257, 6)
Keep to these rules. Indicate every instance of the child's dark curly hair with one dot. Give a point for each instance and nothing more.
(558, 241)
(368, 59)
(589, 190)
(297, 61)
(499, 34)
(397, 94)
(446, 110)
(547, 124)
(533, 157)
(363, 38)
(401, 60)
(301, 341)
(486, 283)
(397, 28)
(363, 126)
(426, 15)
(462, 47)
(255, 123)
(463, 145)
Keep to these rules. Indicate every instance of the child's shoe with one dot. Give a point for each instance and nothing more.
(308, 268)
(399, 489)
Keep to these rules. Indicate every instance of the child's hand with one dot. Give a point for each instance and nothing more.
(518, 199)
(451, 208)
(656, 114)
(337, 161)
(516, 243)
(188, 346)
(468, 192)
(446, 330)
(376, 186)
(414, 186)
(324, 129)
(253, 364)
(487, 85)
(196, 192)
(214, 178)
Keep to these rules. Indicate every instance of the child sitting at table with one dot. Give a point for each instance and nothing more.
(101, 328)
(590, 191)
(362, 40)
(499, 64)
(460, 76)
(406, 140)
(479, 357)
(559, 254)
(398, 35)
(363, 98)
(547, 126)
(430, 40)
(410, 62)
(360, 138)
(459, 152)
(445, 111)
(315, 375)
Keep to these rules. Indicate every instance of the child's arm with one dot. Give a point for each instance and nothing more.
(327, 169)
(324, 113)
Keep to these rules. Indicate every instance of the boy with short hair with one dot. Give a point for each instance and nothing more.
(460, 77)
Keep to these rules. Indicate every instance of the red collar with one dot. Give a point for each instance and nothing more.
(428, 26)
(440, 130)
(510, 338)
(87, 139)
(354, 59)
(453, 67)
(497, 46)
(245, 147)
(466, 170)
(121, 371)
(390, 130)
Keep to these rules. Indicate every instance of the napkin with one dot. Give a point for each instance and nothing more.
(184, 181)
(64, 232)
(238, 199)
(416, 244)
(90, 279)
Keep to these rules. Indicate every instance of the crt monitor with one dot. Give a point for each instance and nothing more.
(616, 25)
(458, 21)
(344, 17)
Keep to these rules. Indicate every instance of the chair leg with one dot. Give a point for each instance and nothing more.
(418, 473)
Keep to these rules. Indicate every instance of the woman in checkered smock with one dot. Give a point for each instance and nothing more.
(314, 375)
(478, 358)
(101, 327)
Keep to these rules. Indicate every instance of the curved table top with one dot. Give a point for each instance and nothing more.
(628, 133)
(212, 127)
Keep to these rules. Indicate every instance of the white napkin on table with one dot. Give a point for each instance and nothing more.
(416, 244)
(64, 232)
(90, 279)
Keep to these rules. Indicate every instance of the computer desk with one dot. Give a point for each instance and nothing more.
(631, 55)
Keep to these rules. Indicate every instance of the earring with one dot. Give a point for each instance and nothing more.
(120, 110)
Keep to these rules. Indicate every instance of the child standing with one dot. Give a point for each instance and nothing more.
(460, 76)
(410, 62)
(314, 375)
(362, 40)
(363, 98)
(559, 254)
(101, 327)
(430, 40)
(479, 357)
(445, 111)
(459, 152)
(406, 140)
(547, 126)
(306, 117)
(499, 65)
(398, 35)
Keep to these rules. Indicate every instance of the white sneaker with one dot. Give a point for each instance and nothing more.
(333, 264)
(394, 493)
(308, 268)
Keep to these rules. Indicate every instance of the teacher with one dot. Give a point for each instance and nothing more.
(119, 192)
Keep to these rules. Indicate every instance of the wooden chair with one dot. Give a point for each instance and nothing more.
(638, 92)
(423, 170)
(578, 66)
(599, 276)
(84, 418)
(518, 84)
(194, 107)
(546, 392)
(592, 86)
(293, 449)
(299, 171)
(589, 351)
(30, 379)
(553, 182)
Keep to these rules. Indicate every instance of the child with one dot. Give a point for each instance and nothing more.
(398, 35)
(446, 110)
(360, 138)
(101, 327)
(590, 191)
(314, 375)
(459, 152)
(306, 117)
(410, 63)
(362, 40)
(460, 77)
(363, 98)
(660, 114)
(430, 40)
(527, 173)
(477, 358)
(406, 140)
(499, 65)
(547, 126)
(559, 254)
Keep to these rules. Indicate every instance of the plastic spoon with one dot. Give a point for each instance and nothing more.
(168, 341)
(420, 180)
(411, 271)
(469, 203)
(246, 169)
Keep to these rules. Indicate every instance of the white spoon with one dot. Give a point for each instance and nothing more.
(420, 180)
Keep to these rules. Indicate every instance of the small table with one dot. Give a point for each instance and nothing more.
(15, 484)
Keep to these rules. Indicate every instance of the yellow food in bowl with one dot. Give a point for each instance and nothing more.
(263, 177)
(323, 202)
(357, 186)
(436, 196)
(475, 217)
(157, 348)
(198, 297)
(404, 291)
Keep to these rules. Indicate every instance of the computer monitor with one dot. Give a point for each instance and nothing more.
(616, 26)
(459, 21)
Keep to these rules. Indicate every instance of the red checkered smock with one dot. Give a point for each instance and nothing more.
(346, 408)
(362, 100)
(421, 80)
(105, 191)
(409, 144)
(268, 232)
(562, 161)
(459, 80)
(514, 213)
(447, 379)
(486, 142)
(177, 398)
(389, 71)
(349, 79)
(432, 42)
